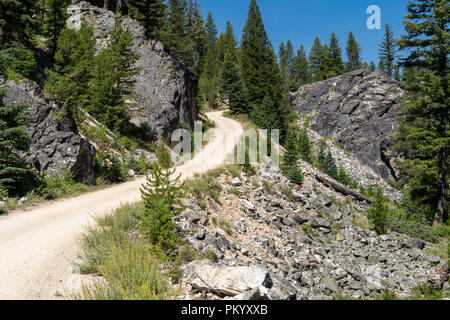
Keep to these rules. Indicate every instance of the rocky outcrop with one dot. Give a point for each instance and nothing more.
(55, 143)
(165, 89)
(311, 242)
(359, 111)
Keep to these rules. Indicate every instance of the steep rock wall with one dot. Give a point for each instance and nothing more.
(359, 111)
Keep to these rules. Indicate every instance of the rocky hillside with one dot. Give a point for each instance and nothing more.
(358, 111)
(165, 93)
(55, 142)
(266, 238)
(165, 89)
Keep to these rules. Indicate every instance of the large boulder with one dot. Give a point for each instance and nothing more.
(165, 88)
(55, 143)
(359, 111)
(237, 281)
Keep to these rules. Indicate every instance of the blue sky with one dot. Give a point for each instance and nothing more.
(303, 20)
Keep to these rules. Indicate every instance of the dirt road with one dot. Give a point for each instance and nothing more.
(37, 247)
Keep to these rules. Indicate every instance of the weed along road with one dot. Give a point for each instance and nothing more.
(37, 247)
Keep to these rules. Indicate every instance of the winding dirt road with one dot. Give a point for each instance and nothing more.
(37, 247)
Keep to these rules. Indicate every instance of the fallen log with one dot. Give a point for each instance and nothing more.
(339, 187)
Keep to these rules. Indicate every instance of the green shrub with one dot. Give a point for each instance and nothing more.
(132, 272)
(111, 232)
(308, 229)
(59, 185)
(413, 228)
(163, 156)
(211, 256)
(378, 213)
(3, 192)
(5, 60)
(107, 166)
(443, 230)
(24, 63)
(426, 292)
(206, 185)
(387, 295)
(295, 175)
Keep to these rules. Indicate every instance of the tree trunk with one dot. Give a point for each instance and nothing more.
(106, 5)
(339, 187)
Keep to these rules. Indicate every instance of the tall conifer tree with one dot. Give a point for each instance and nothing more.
(54, 21)
(151, 14)
(353, 53)
(261, 73)
(315, 59)
(336, 56)
(424, 134)
(302, 71)
(387, 52)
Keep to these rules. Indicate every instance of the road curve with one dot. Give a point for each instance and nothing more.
(38, 246)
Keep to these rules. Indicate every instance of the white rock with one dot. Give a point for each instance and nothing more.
(226, 280)
(236, 182)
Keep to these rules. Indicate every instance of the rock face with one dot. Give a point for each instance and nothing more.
(55, 144)
(165, 89)
(358, 110)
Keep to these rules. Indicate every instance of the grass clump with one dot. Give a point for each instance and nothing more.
(387, 295)
(308, 229)
(137, 249)
(426, 292)
(59, 185)
(206, 185)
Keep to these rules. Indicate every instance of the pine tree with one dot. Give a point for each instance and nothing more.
(315, 57)
(372, 66)
(330, 167)
(424, 134)
(151, 14)
(211, 30)
(286, 57)
(260, 71)
(18, 19)
(68, 82)
(325, 65)
(290, 65)
(337, 63)
(13, 139)
(233, 87)
(209, 80)
(162, 202)
(321, 156)
(227, 45)
(54, 21)
(113, 80)
(175, 36)
(290, 159)
(210, 72)
(302, 72)
(291, 155)
(197, 35)
(266, 116)
(304, 146)
(387, 51)
(343, 177)
(353, 53)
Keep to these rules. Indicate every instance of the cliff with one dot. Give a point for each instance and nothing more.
(359, 111)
